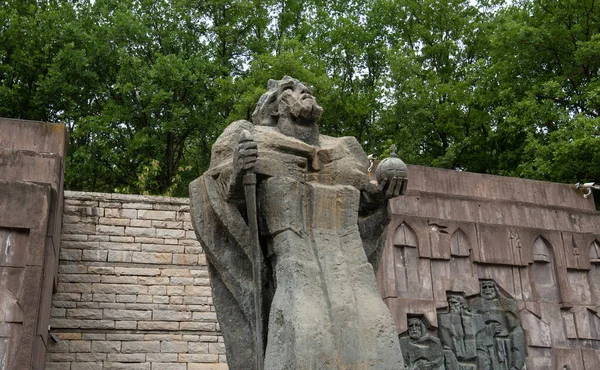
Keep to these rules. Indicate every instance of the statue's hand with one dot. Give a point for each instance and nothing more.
(245, 155)
(244, 160)
(393, 187)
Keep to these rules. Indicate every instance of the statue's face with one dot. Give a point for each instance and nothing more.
(496, 327)
(414, 328)
(297, 103)
(488, 290)
(455, 304)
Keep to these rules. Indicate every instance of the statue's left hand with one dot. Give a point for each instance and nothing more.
(393, 187)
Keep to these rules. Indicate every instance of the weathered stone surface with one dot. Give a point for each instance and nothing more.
(420, 349)
(480, 333)
(31, 172)
(113, 304)
(537, 241)
(310, 191)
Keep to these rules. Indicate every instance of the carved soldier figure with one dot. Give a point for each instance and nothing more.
(320, 220)
(460, 331)
(421, 350)
(503, 345)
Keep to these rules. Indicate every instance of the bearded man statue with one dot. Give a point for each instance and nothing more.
(320, 219)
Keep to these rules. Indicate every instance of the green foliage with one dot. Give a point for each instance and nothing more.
(145, 86)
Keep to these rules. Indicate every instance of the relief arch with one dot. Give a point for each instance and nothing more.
(399, 264)
(544, 271)
(460, 252)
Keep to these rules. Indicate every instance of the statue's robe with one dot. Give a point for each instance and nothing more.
(505, 349)
(423, 353)
(459, 332)
(322, 308)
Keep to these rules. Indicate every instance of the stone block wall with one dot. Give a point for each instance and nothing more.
(133, 289)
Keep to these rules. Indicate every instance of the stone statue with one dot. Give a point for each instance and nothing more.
(421, 350)
(320, 221)
(503, 346)
(460, 331)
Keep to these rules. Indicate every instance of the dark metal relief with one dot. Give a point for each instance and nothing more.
(479, 333)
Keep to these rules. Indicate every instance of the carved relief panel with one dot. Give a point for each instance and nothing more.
(540, 245)
(480, 333)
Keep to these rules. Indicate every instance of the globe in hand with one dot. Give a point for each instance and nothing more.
(391, 167)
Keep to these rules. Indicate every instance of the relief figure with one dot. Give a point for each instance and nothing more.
(503, 346)
(421, 350)
(461, 330)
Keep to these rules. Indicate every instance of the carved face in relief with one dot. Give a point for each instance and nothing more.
(415, 328)
(497, 328)
(457, 303)
(290, 106)
(488, 289)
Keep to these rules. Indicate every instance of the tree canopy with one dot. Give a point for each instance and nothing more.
(146, 86)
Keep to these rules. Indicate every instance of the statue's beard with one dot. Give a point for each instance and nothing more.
(298, 116)
(303, 109)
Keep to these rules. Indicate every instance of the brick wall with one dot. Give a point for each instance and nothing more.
(133, 289)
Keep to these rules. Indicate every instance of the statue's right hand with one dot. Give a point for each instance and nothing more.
(244, 156)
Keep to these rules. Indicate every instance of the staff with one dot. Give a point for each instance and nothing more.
(250, 195)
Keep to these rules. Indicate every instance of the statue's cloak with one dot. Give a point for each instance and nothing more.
(321, 308)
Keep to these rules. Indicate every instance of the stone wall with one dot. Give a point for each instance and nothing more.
(539, 241)
(31, 180)
(133, 289)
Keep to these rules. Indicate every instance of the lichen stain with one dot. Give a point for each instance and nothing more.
(8, 245)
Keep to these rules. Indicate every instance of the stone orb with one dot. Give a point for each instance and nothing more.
(391, 167)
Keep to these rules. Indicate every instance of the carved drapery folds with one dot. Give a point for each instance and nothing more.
(421, 349)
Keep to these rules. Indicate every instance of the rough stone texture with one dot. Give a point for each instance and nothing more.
(128, 300)
(482, 333)
(31, 174)
(320, 303)
(539, 242)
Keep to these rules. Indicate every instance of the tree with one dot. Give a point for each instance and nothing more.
(145, 87)
(545, 56)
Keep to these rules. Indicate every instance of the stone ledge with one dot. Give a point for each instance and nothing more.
(129, 198)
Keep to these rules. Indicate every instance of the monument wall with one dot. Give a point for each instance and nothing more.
(133, 289)
(539, 242)
(31, 182)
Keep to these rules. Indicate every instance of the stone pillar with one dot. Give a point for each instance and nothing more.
(32, 161)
